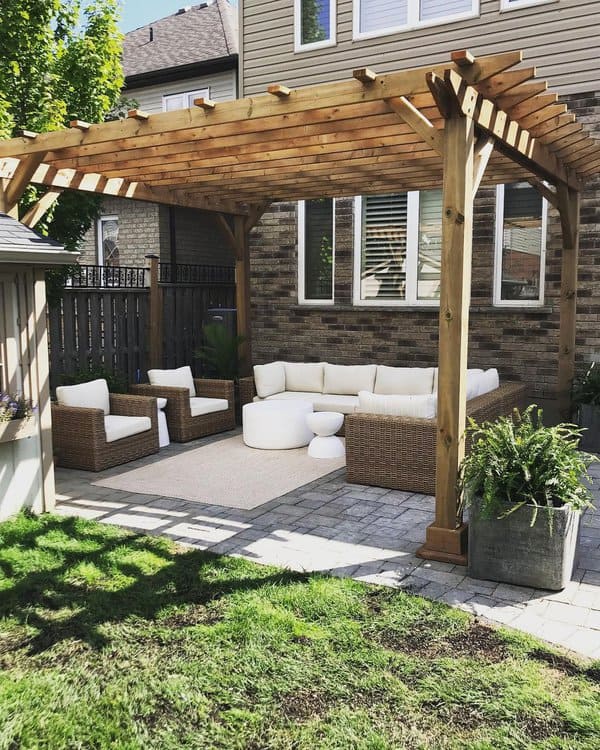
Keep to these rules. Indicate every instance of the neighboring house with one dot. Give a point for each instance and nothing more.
(364, 283)
(168, 64)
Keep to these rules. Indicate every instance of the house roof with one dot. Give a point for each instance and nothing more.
(195, 34)
(20, 244)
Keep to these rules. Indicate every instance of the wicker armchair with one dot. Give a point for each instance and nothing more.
(399, 452)
(184, 427)
(80, 438)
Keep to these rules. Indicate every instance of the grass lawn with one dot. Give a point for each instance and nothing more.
(113, 640)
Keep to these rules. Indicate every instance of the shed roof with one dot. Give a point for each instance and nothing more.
(19, 244)
(199, 33)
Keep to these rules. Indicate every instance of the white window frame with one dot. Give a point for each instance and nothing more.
(331, 42)
(412, 254)
(100, 238)
(198, 94)
(516, 4)
(302, 256)
(497, 300)
(412, 22)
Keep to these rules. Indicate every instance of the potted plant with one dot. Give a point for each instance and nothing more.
(524, 485)
(586, 398)
(220, 356)
(15, 418)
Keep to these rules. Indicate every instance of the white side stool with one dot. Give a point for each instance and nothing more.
(163, 430)
(326, 444)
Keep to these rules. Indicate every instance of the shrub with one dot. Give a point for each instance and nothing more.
(116, 381)
(586, 389)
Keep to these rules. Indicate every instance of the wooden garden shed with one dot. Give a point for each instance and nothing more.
(461, 124)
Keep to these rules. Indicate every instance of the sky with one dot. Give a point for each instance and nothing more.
(138, 13)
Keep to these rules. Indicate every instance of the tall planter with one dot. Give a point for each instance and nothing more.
(511, 550)
(589, 418)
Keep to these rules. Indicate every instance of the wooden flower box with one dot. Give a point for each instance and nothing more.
(17, 429)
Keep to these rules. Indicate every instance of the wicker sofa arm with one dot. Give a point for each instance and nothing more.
(212, 388)
(73, 418)
(247, 390)
(499, 402)
(171, 393)
(127, 405)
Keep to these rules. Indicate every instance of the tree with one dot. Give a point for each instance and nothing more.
(59, 62)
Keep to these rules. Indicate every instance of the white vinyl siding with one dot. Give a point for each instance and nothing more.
(316, 251)
(184, 100)
(520, 257)
(222, 87)
(514, 4)
(314, 24)
(397, 246)
(379, 17)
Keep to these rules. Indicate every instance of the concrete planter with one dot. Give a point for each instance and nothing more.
(17, 429)
(510, 550)
(588, 416)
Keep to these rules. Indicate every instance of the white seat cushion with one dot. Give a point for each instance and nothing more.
(269, 379)
(180, 378)
(92, 395)
(349, 379)
(294, 396)
(404, 381)
(336, 402)
(423, 406)
(304, 376)
(117, 427)
(199, 405)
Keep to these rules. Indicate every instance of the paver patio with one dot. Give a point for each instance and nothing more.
(368, 533)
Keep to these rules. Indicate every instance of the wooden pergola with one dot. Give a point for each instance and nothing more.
(469, 122)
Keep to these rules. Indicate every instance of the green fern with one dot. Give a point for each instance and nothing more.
(220, 353)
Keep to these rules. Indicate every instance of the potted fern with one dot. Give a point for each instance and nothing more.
(586, 398)
(525, 487)
(220, 357)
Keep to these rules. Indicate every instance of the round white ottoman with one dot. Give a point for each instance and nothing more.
(163, 430)
(276, 425)
(326, 444)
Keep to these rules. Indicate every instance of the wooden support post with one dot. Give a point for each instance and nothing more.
(155, 338)
(568, 206)
(446, 537)
(242, 293)
(39, 209)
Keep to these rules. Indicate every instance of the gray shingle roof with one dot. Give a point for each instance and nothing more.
(16, 236)
(200, 34)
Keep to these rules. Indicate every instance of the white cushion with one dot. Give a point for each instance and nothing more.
(117, 427)
(180, 378)
(336, 402)
(276, 425)
(304, 376)
(404, 380)
(349, 379)
(470, 373)
(293, 396)
(488, 381)
(199, 405)
(161, 403)
(269, 379)
(92, 395)
(422, 406)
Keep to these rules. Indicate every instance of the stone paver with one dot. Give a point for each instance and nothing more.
(347, 530)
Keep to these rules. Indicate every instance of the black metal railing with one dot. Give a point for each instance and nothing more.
(183, 273)
(110, 277)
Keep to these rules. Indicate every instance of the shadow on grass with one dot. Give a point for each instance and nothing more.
(67, 577)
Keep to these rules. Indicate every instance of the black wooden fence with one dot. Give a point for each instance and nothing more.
(103, 318)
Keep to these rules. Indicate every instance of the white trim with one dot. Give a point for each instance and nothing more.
(301, 234)
(412, 252)
(516, 4)
(412, 20)
(497, 300)
(203, 93)
(330, 42)
(100, 238)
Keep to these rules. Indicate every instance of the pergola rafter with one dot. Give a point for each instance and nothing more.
(463, 124)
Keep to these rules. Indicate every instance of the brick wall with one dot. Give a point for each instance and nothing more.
(522, 343)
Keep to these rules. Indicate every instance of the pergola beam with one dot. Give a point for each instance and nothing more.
(417, 121)
(35, 214)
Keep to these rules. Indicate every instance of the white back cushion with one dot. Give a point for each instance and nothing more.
(304, 376)
(92, 395)
(470, 373)
(269, 379)
(423, 406)
(349, 379)
(488, 381)
(180, 378)
(405, 381)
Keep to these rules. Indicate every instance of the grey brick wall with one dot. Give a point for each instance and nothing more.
(522, 343)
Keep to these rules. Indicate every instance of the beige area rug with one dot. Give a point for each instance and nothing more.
(224, 473)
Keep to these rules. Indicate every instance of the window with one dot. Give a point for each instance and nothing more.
(513, 4)
(184, 100)
(377, 17)
(108, 241)
(521, 216)
(314, 24)
(316, 250)
(398, 248)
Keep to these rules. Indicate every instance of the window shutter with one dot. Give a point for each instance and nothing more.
(383, 262)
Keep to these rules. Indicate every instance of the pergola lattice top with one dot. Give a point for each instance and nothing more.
(370, 134)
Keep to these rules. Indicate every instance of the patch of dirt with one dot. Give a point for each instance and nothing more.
(542, 728)
(304, 640)
(565, 664)
(377, 599)
(194, 615)
(304, 705)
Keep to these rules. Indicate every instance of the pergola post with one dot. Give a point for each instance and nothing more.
(568, 207)
(242, 292)
(446, 537)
